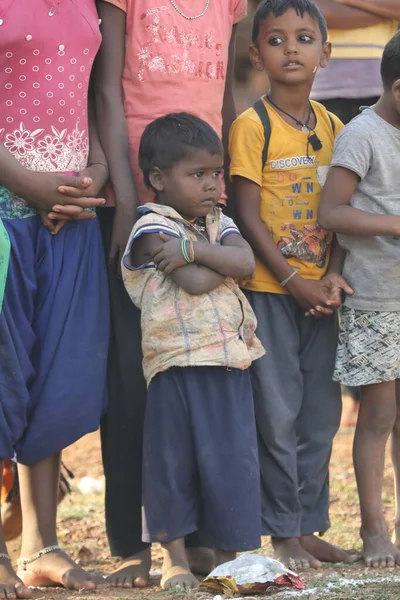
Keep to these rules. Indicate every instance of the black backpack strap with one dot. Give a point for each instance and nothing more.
(332, 123)
(263, 115)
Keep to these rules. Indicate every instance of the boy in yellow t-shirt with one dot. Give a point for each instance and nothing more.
(297, 285)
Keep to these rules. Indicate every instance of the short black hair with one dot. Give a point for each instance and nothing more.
(168, 139)
(390, 65)
(277, 8)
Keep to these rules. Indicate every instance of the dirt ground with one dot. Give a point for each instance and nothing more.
(82, 533)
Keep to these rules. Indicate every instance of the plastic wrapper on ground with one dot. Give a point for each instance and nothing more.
(251, 574)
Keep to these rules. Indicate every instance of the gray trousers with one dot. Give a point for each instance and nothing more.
(298, 409)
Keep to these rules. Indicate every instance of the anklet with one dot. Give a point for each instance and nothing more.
(22, 562)
(2, 555)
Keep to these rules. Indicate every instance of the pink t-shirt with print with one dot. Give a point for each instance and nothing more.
(174, 64)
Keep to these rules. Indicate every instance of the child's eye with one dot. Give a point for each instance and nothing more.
(275, 41)
(198, 174)
(307, 39)
(218, 173)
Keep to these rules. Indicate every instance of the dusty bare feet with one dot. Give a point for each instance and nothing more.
(133, 571)
(290, 552)
(378, 550)
(222, 556)
(176, 571)
(56, 568)
(10, 585)
(201, 560)
(325, 552)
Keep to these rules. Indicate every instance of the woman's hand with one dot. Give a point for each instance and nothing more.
(88, 184)
(41, 190)
(52, 226)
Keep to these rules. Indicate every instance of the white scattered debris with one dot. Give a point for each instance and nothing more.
(88, 485)
(297, 593)
(344, 582)
(338, 584)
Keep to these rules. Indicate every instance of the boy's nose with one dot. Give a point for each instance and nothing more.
(292, 47)
(210, 184)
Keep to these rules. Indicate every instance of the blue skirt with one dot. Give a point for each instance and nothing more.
(54, 334)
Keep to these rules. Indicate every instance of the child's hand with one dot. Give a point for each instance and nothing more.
(311, 296)
(168, 256)
(334, 285)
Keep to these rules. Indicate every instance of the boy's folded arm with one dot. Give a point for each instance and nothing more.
(194, 279)
(336, 214)
(197, 279)
(234, 258)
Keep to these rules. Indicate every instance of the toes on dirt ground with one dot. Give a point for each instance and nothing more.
(81, 525)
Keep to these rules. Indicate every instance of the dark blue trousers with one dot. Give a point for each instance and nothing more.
(200, 460)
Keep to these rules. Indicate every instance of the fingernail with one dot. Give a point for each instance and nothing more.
(86, 180)
(103, 202)
(61, 189)
(56, 210)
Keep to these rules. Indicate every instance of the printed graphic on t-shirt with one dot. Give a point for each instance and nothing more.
(290, 183)
(308, 244)
(186, 50)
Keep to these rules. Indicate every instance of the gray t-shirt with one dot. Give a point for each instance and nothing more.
(370, 147)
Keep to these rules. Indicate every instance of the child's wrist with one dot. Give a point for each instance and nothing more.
(288, 279)
(294, 284)
(187, 250)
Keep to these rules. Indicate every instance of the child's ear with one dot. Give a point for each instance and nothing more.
(396, 93)
(255, 58)
(157, 181)
(326, 54)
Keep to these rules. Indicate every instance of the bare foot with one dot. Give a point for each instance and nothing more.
(10, 585)
(176, 571)
(378, 550)
(178, 577)
(290, 552)
(56, 568)
(222, 556)
(133, 571)
(201, 560)
(325, 552)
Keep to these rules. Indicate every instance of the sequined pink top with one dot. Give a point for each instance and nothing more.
(174, 64)
(47, 48)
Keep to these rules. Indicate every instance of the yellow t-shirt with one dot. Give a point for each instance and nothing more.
(291, 185)
(365, 42)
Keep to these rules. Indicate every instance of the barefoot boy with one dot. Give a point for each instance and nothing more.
(361, 202)
(200, 463)
(297, 404)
